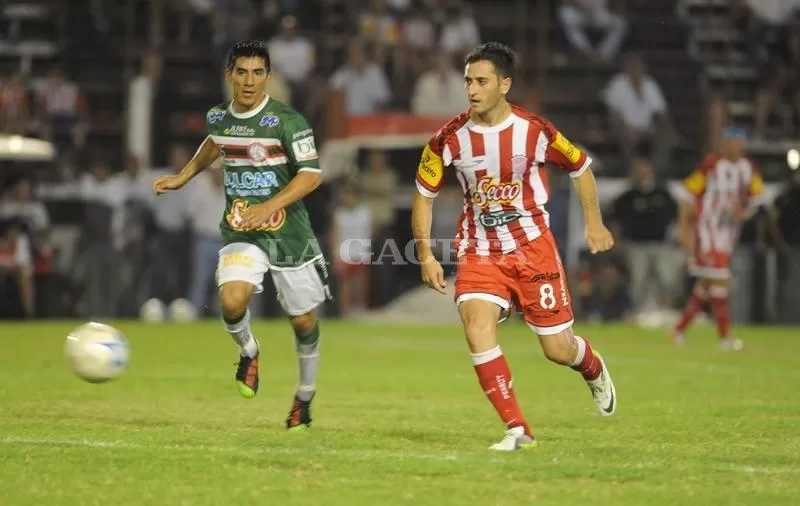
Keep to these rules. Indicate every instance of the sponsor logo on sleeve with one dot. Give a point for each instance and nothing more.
(269, 120)
(430, 168)
(566, 148)
(305, 149)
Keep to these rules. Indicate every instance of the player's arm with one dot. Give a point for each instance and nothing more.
(755, 196)
(693, 186)
(297, 140)
(576, 163)
(429, 181)
(206, 154)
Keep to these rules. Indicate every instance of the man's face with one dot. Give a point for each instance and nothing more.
(485, 87)
(249, 79)
(734, 147)
(642, 171)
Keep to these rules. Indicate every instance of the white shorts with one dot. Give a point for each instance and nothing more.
(300, 289)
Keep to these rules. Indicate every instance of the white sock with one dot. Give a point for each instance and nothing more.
(307, 363)
(243, 336)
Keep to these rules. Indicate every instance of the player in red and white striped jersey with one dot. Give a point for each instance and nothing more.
(506, 252)
(723, 192)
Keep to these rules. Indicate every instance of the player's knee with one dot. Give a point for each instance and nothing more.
(480, 333)
(234, 300)
(303, 324)
(559, 348)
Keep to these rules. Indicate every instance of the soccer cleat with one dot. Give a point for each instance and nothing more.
(247, 376)
(678, 339)
(731, 344)
(299, 418)
(515, 439)
(603, 391)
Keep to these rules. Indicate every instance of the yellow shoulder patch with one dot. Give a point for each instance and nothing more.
(566, 148)
(430, 170)
(695, 183)
(756, 185)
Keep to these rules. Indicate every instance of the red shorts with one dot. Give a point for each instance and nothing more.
(710, 265)
(532, 278)
(347, 270)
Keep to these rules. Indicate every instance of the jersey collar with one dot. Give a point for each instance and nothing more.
(483, 129)
(250, 113)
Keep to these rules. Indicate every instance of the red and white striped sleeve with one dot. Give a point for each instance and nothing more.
(561, 152)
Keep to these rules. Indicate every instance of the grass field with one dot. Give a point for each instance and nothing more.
(399, 419)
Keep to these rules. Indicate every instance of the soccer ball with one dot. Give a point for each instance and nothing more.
(153, 311)
(97, 352)
(181, 310)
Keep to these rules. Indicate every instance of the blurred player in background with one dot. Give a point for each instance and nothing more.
(270, 163)
(506, 252)
(717, 198)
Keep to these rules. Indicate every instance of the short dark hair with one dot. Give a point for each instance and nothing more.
(248, 49)
(501, 56)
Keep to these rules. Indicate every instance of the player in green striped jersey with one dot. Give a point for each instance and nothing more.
(270, 163)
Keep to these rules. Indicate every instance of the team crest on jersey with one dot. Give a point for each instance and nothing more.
(491, 191)
(519, 164)
(269, 120)
(257, 152)
(215, 116)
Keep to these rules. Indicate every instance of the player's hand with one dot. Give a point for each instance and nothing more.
(433, 274)
(165, 183)
(598, 238)
(255, 216)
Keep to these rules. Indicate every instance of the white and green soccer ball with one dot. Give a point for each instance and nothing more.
(97, 352)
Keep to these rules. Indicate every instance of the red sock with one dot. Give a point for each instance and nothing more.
(693, 306)
(495, 379)
(586, 362)
(719, 306)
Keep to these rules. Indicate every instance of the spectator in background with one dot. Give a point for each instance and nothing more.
(206, 205)
(782, 81)
(142, 91)
(64, 111)
(293, 56)
(577, 15)
(765, 20)
(378, 184)
(363, 82)
(15, 110)
(417, 38)
(460, 32)
(350, 238)
(638, 113)
(440, 91)
(169, 245)
(16, 273)
(643, 221)
(378, 26)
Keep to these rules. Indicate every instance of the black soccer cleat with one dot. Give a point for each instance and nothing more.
(299, 418)
(247, 376)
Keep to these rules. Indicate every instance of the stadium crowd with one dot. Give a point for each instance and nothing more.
(88, 237)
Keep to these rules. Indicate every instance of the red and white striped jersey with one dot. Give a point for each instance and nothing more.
(500, 171)
(720, 188)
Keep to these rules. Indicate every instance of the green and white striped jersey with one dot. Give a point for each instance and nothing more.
(262, 150)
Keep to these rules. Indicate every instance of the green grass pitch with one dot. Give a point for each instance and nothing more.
(399, 419)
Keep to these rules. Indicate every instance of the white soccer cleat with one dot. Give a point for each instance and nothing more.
(731, 344)
(515, 439)
(603, 391)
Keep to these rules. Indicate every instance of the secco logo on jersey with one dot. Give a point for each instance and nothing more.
(240, 130)
(269, 120)
(491, 191)
(430, 168)
(250, 184)
(304, 149)
(566, 148)
(235, 220)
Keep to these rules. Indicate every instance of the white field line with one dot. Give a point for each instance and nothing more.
(365, 454)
